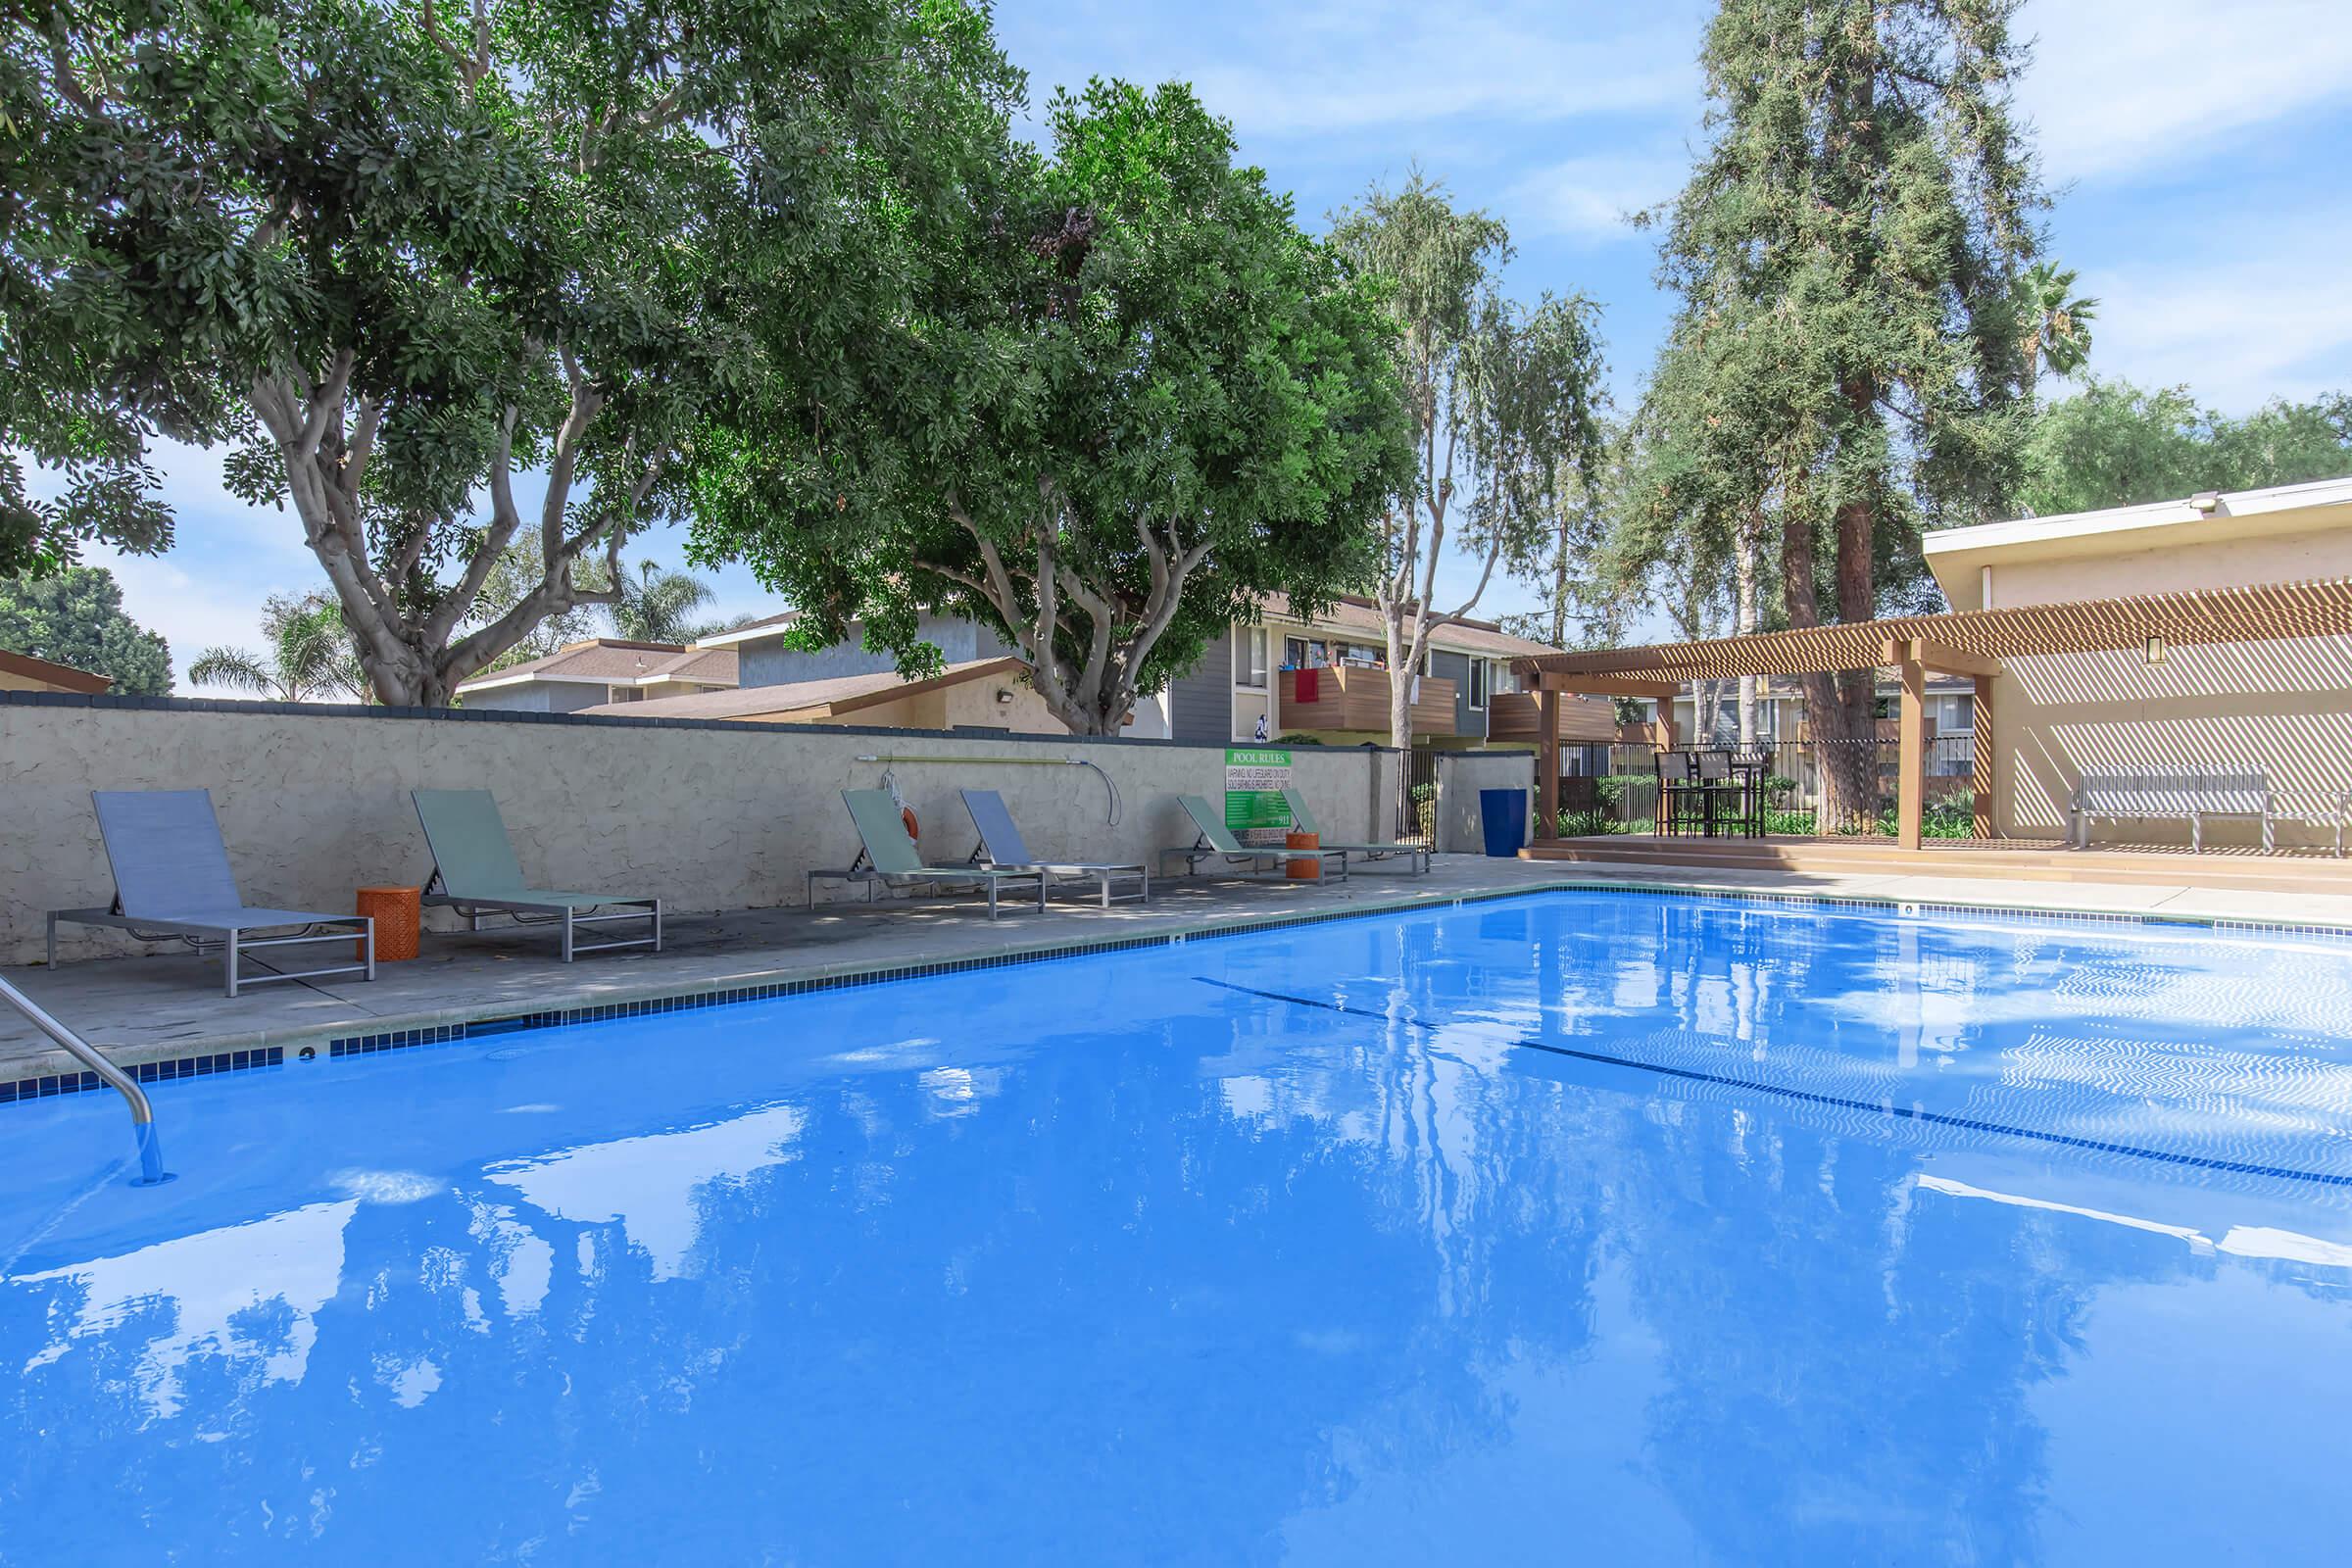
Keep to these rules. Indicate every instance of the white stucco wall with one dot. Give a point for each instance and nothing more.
(716, 816)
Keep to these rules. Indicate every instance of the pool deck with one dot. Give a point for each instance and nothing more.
(143, 1009)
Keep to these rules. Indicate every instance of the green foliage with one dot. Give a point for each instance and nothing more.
(74, 617)
(2055, 322)
(1846, 366)
(422, 255)
(2113, 444)
(1124, 398)
(310, 656)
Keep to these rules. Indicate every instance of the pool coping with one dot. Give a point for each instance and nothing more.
(268, 1048)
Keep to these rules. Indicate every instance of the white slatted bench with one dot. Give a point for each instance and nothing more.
(2193, 797)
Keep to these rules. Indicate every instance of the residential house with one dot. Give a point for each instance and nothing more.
(978, 694)
(2279, 707)
(599, 672)
(21, 672)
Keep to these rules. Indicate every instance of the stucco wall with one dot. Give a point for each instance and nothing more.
(2283, 708)
(710, 816)
(1460, 776)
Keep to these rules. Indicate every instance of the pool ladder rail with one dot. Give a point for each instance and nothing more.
(142, 1114)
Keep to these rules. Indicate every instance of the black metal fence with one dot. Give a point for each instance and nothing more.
(1417, 798)
(1614, 789)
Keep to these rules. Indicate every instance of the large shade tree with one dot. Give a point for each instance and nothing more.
(1852, 234)
(1128, 398)
(1503, 402)
(421, 263)
(74, 617)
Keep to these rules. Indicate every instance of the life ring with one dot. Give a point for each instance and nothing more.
(906, 816)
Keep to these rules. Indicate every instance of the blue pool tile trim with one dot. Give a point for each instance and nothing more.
(338, 1047)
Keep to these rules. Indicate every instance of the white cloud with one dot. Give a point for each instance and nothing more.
(2123, 85)
(1304, 69)
(1593, 196)
(2239, 329)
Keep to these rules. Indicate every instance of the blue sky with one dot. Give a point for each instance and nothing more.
(2197, 149)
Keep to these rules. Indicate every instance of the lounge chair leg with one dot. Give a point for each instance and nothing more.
(567, 934)
(656, 925)
(371, 947)
(229, 961)
(991, 897)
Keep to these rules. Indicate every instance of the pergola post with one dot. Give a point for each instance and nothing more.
(1911, 767)
(1982, 756)
(1547, 764)
(1664, 727)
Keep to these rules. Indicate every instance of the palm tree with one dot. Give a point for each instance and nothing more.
(2057, 329)
(309, 658)
(656, 604)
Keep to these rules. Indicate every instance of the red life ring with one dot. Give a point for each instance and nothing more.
(906, 816)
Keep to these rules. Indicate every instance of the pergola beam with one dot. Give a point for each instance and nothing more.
(1947, 661)
(2267, 613)
(1608, 686)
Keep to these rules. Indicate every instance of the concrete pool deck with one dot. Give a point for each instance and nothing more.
(142, 1009)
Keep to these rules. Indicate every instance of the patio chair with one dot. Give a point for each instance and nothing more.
(1416, 856)
(173, 882)
(476, 873)
(888, 856)
(1002, 848)
(1215, 842)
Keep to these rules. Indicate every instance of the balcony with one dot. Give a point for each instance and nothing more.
(1519, 716)
(1355, 697)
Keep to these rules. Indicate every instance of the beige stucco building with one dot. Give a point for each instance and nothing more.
(2281, 707)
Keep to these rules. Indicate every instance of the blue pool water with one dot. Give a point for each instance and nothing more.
(1582, 1227)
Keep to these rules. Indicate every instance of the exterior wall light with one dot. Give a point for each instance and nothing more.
(2156, 649)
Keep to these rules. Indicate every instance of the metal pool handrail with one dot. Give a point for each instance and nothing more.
(142, 1114)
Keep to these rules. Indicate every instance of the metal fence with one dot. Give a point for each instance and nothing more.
(1417, 798)
(1614, 789)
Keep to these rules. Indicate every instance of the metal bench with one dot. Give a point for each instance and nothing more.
(2192, 797)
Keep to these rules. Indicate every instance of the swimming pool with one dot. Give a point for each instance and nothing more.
(1582, 1226)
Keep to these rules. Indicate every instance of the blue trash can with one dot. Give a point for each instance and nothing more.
(1503, 814)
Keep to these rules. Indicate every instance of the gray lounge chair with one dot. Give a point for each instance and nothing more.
(476, 873)
(1215, 842)
(171, 880)
(1003, 849)
(1416, 854)
(890, 856)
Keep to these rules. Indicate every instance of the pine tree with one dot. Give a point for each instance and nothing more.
(1846, 252)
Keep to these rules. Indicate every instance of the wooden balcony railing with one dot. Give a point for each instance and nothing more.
(1355, 697)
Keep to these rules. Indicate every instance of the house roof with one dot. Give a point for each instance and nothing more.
(1355, 617)
(2213, 518)
(47, 673)
(808, 701)
(1350, 616)
(615, 661)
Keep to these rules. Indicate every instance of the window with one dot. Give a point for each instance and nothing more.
(1300, 654)
(1250, 655)
(1482, 675)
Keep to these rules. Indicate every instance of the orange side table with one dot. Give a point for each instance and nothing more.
(1303, 870)
(395, 912)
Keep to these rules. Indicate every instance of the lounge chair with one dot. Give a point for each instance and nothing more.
(171, 880)
(1416, 856)
(476, 873)
(888, 856)
(1215, 842)
(1003, 849)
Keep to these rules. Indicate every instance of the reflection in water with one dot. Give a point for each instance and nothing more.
(1132, 1267)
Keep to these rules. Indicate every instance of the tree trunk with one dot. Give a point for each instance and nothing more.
(1743, 573)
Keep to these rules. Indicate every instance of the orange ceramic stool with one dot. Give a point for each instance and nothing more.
(395, 913)
(1304, 870)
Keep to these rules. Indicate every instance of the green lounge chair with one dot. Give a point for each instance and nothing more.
(1215, 842)
(1003, 847)
(476, 873)
(172, 881)
(1416, 854)
(890, 856)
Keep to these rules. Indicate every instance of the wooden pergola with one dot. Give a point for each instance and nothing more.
(1968, 642)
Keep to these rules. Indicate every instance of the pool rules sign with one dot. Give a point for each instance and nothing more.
(1255, 778)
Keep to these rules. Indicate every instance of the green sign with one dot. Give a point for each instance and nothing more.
(1255, 778)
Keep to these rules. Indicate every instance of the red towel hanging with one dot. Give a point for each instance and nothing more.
(1310, 687)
